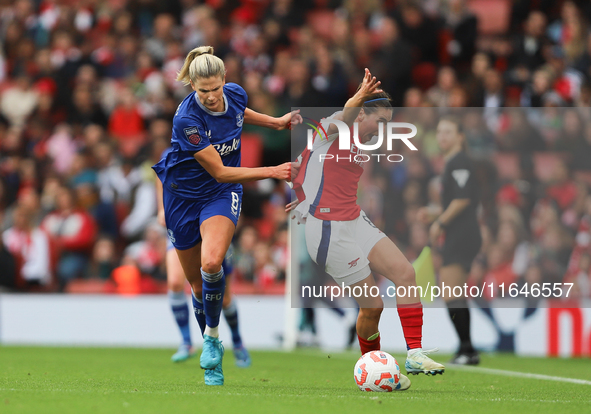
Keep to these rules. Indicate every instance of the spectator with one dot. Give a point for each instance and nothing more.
(299, 91)
(528, 46)
(87, 96)
(493, 89)
(534, 93)
(562, 188)
(164, 28)
(265, 272)
(500, 270)
(30, 246)
(19, 101)
(74, 232)
(148, 254)
(474, 83)
(329, 77)
(85, 110)
(438, 95)
(419, 30)
(131, 189)
(462, 24)
(104, 213)
(245, 262)
(8, 266)
(126, 124)
(393, 61)
(103, 260)
(61, 148)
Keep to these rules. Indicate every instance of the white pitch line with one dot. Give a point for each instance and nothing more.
(505, 373)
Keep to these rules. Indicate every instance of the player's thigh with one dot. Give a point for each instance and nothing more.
(386, 259)
(182, 221)
(452, 275)
(175, 275)
(367, 234)
(218, 219)
(366, 294)
(332, 245)
(216, 235)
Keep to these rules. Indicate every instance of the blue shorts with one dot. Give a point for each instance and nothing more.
(184, 217)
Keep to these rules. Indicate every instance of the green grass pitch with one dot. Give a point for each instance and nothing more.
(111, 380)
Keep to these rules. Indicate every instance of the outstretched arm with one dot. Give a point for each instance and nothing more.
(369, 86)
(285, 122)
(210, 159)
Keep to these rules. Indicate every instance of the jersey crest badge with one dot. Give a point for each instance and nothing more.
(192, 135)
(239, 119)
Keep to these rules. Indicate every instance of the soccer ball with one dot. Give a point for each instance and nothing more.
(377, 371)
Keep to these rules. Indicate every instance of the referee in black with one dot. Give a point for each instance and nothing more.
(458, 221)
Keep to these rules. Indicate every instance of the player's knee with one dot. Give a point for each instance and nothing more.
(212, 265)
(176, 285)
(372, 314)
(407, 275)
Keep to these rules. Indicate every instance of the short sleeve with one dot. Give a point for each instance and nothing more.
(462, 180)
(190, 134)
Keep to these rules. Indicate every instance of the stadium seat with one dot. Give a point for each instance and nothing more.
(424, 75)
(88, 286)
(493, 15)
(240, 287)
(445, 36)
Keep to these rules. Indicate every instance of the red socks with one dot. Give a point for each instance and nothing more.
(366, 345)
(411, 319)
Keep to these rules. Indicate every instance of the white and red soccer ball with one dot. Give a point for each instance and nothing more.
(377, 371)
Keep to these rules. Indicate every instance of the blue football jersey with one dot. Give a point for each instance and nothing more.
(194, 127)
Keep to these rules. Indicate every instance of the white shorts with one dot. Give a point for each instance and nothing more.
(341, 247)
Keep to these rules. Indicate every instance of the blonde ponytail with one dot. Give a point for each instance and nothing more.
(201, 63)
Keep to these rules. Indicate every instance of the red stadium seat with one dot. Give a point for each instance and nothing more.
(424, 75)
(493, 15)
(445, 36)
(88, 286)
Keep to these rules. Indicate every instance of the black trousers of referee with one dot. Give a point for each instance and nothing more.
(459, 313)
(461, 248)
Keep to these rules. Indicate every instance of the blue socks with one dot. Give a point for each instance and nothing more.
(231, 315)
(180, 310)
(214, 285)
(199, 312)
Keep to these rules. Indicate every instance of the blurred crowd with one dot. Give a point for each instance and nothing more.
(88, 91)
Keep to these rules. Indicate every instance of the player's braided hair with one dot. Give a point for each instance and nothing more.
(201, 63)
